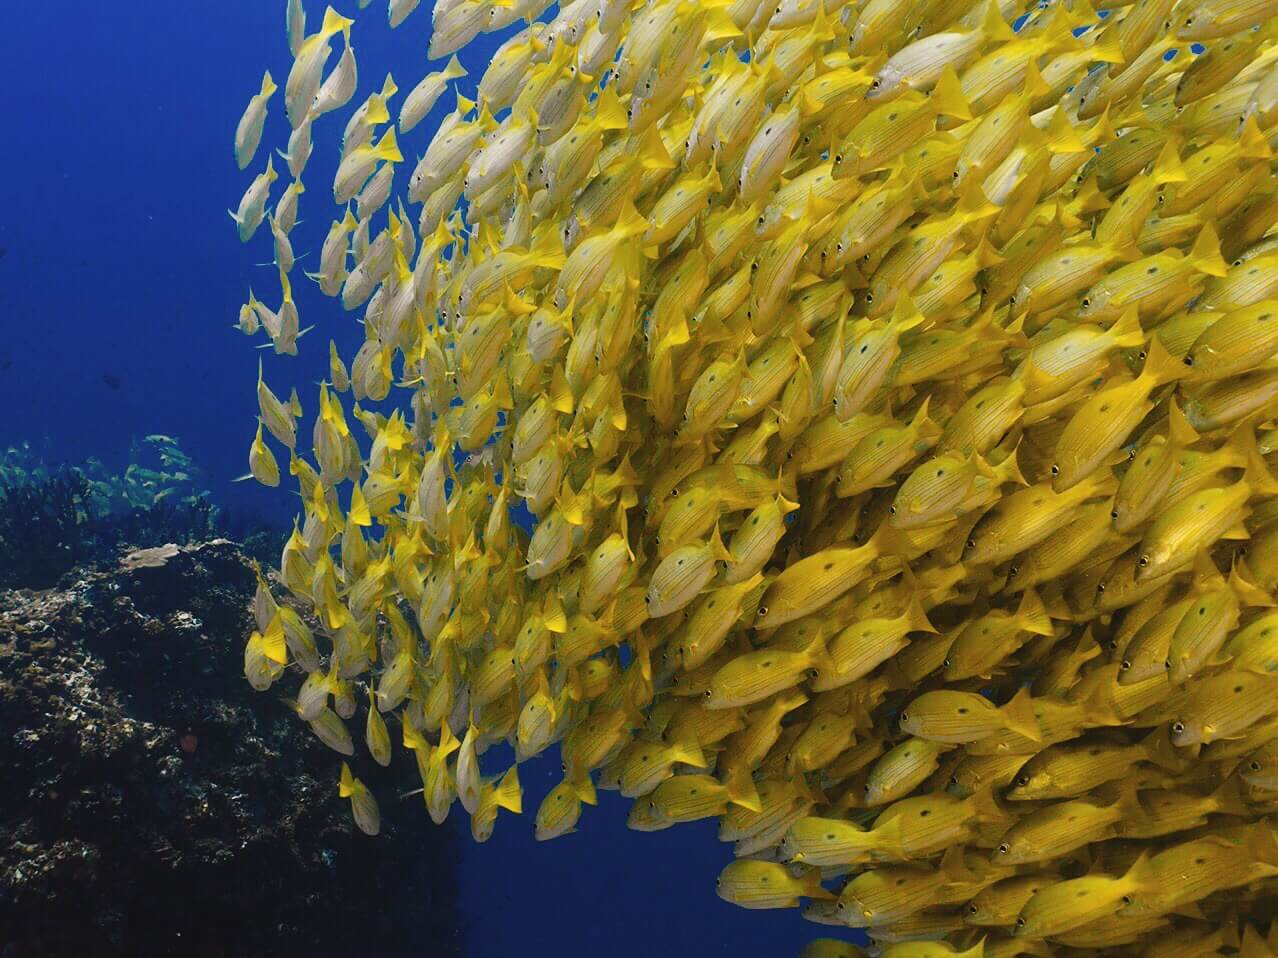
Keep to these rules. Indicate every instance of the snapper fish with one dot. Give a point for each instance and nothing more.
(848, 423)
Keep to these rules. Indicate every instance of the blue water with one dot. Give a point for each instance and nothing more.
(120, 278)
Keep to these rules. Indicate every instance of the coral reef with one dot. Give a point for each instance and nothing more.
(57, 516)
(153, 802)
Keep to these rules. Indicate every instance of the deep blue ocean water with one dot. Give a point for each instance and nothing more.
(120, 278)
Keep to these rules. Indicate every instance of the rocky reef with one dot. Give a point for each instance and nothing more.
(154, 804)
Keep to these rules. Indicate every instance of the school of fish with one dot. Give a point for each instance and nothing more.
(852, 420)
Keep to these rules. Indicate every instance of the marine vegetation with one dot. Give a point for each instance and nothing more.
(851, 421)
(56, 516)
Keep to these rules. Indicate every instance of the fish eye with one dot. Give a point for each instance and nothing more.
(867, 788)
(763, 610)
(674, 493)
(1127, 899)
(1087, 302)
(973, 910)
(1022, 780)
(869, 297)
(1189, 360)
(1238, 262)
(891, 510)
(971, 543)
(1143, 561)
(1178, 728)
(1013, 572)
(1003, 849)
(1056, 470)
(1126, 665)
(905, 716)
(1100, 588)
(813, 673)
(1141, 355)
(709, 693)
(1020, 923)
(946, 663)
(956, 176)
(1254, 766)
(1167, 664)
(838, 159)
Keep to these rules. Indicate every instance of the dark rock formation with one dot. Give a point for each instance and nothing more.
(152, 803)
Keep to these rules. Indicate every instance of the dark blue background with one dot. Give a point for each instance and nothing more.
(120, 261)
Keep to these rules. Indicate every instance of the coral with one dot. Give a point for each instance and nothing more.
(155, 805)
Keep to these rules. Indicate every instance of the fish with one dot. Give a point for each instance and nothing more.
(1069, 904)
(423, 97)
(956, 718)
(1103, 423)
(248, 132)
(252, 208)
(756, 884)
(845, 423)
(363, 805)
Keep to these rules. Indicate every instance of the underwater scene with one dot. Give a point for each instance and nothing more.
(630, 477)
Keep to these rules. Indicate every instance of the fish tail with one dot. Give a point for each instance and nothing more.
(609, 113)
(1167, 168)
(984, 806)
(1251, 141)
(1141, 876)
(1108, 50)
(1205, 254)
(993, 25)
(335, 23)
(916, 619)
(817, 653)
(1127, 333)
(812, 887)
(1009, 471)
(1020, 718)
(584, 789)
(509, 794)
(387, 148)
(1158, 749)
(953, 868)
(947, 95)
(1265, 845)
(268, 85)
(1160, 365)
(1032, 614)
(741, 790)
(1228, 798)
(453, 71)
(689, 753)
